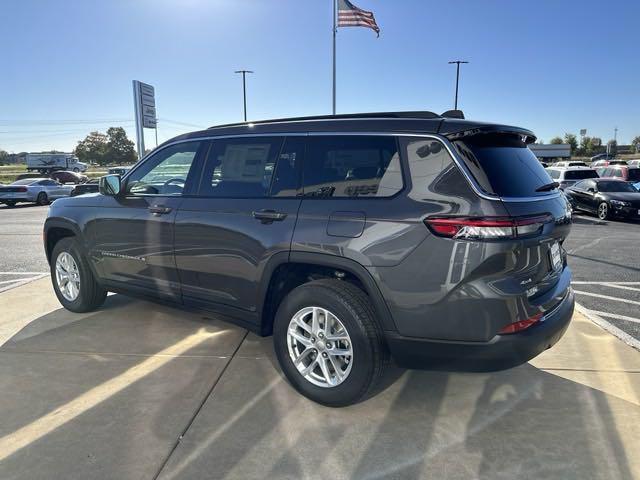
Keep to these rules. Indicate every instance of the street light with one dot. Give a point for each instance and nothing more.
(244, 89)
(457, 62)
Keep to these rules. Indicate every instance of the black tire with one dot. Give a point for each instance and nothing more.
(91, 294)
(353, 308)
(10, 203)
(42, 199)
(603, 211)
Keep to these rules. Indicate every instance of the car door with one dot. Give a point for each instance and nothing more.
(132, 235)
(242, 215)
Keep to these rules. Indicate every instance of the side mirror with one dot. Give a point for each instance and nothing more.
(591, 190)
(109, 185)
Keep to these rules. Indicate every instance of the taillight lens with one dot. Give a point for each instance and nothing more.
(521, 325)
(486, 228)
(22, 189)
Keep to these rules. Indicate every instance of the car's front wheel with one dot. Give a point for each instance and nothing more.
(73, 281)
(328, 343)
(603, 211)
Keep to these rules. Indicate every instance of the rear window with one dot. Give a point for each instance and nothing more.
(503, 165)
(634, 174)
(580, 174)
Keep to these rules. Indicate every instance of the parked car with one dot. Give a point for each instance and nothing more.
(63, 176)
(33, 190)
(90, 186)
(605, 197)
(573, 163)
(347, 238)
(118, 170)
(566, 176)
(621, 172)
(606, 163)
(633, 163)
(602, 156)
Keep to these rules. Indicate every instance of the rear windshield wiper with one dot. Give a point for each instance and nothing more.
(548, 186)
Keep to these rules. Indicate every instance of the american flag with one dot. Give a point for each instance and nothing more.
(351, 16)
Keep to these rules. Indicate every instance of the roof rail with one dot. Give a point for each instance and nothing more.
(411, 114)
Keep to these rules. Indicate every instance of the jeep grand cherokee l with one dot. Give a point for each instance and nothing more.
(351, 239)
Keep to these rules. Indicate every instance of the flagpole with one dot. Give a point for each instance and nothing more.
(334, 55)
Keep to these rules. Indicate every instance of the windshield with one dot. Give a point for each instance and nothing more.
(503, 165)
(615, 186)
(580, 174)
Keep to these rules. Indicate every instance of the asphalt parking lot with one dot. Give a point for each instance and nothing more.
(138, 390)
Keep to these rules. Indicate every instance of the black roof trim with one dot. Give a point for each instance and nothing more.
(418, 115)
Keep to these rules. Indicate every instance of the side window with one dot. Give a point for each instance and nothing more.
(607, 172)
(582, 185)
(434, 174)
(554, 174)
(244, 168)
(48, 182)
(352, 166)
(617, 172)
(165, 173)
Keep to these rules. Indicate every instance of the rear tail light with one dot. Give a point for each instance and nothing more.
(22, 189)
(521, 325)
(486, 228)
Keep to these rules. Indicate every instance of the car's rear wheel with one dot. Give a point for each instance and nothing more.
(10, 203)
(603, 211)
(42, 198)
(328, 343)
(73, 281)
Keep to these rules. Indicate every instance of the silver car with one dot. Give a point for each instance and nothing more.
(33, 190)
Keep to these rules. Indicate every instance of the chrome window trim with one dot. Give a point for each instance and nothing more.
(445, 141)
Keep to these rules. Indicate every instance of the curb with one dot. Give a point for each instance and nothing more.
(609, 327)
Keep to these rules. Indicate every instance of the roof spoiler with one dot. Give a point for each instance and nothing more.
(528, 136)
(453, 114)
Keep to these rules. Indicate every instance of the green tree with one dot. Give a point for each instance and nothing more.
(120, 149)
(114, 147)
(571, 139)
(556, 141)
(93, 149)
(636, 143)
(4, 157)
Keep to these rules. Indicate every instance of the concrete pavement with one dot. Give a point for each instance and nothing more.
(137, 390)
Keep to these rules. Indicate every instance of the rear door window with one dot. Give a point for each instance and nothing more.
(241, 167)
(352, 166)
(503, 165)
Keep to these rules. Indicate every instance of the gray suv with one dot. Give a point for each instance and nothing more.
(352, 239)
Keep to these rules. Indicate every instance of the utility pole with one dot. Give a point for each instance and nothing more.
(457, 62)
(244, 89)
(615, 135)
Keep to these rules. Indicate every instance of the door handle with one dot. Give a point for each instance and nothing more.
(268, 216)
(159, 209)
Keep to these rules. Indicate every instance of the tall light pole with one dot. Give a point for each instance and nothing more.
(457, 62)
(244, 89)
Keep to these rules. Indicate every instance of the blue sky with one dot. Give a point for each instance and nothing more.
(553, 66)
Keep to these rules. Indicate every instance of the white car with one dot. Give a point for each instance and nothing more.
(634, 163)
(33, 190)
(567, 176)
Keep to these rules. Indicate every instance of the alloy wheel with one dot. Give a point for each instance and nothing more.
(320, 347)
(603, 210)
(67, 276)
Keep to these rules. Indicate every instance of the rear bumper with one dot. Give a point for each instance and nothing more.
(16, 197)
(501, 352)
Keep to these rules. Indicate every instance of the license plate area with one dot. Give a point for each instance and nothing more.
(555, 256)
